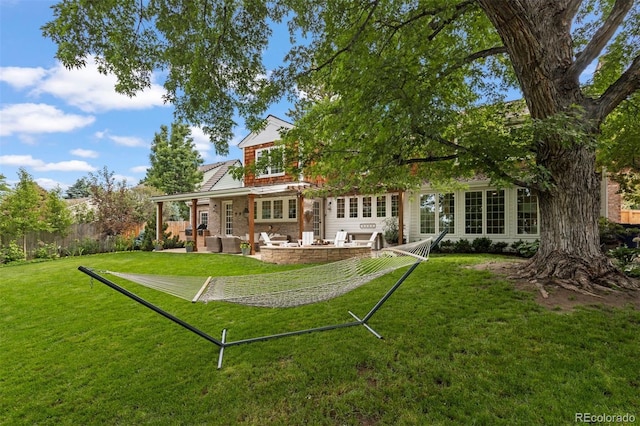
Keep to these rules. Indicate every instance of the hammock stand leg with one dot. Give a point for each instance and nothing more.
(151, 306)
(221, 354)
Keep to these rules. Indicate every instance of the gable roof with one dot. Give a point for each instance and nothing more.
(215, 172)
(270, 132)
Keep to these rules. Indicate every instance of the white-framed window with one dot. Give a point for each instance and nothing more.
(293, 208)
(473, 212)
(276, 161)
(447, 212)
(395, 205)
(381, 206)
(273, 209)
(437, 212)
(428, 214)
(495, 211)
(353, 207)
(367, 207)
(204, 218)
(228, 217)
(527, 212)
(340, 208)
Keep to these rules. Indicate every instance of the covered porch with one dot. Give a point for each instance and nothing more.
(281, 211)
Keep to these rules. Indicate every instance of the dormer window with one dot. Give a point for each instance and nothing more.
(274, 162)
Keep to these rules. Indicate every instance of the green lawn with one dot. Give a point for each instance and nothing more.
(460, 347)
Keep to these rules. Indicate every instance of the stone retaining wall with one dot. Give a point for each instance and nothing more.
(319, 254)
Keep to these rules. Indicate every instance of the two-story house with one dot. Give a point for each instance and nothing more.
(274, 202)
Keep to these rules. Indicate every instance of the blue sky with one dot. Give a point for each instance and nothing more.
(60, 125)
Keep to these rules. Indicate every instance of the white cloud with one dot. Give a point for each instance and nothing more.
(130, 181)
(39, 118)
(201, 141)
(50, 184)
(91, 91)
(139, 169)
(66, 166)
(41, 166)
(20, 161)
(130, 141)
(20, 77)
(84, 153)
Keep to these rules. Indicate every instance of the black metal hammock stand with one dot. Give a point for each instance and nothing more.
(223, 343)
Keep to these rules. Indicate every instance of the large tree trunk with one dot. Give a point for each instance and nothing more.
(570, 253)
(537, 37)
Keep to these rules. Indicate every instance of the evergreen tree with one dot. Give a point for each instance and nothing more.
(174, 161)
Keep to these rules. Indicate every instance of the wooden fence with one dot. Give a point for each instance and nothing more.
(83, 231)
(630, 216)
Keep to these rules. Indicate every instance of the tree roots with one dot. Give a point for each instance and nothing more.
(590, 276)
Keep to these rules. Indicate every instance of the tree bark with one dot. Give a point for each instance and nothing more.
(537, 37)
(570, 254)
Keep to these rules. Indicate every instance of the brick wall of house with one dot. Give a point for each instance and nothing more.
(614, 201)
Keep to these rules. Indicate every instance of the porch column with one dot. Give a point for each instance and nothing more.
(194, 224)
(252, 223)
(300, 215)
(400, 216)
(159, 221)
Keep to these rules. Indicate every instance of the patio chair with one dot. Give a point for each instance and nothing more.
(307, 238)
(340, 240)
(270, 243)
(366, 243)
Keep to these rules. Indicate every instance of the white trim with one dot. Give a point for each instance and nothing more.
(268, 173)
(269, 133)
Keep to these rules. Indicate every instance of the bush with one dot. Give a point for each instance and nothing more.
(498, 247)
(11, 253)
(45, 251)
(624, 256)
(525, 249)
(83, 247)
(123, 243)
(463, 246)
(481, 245)
(447, 246)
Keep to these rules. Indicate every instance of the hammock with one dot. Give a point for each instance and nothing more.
(288, 288)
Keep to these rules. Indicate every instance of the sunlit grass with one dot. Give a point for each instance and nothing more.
(460, 347)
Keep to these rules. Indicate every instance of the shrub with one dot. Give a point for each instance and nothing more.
(11, 253)
(624, 256)
(45, 251)
(481, 245)
(173, 242)
(463, 246)
(498, 247)
(447, 246)
(524, 248)
(610, 232)
(82, 247)
(123, 243)
(391, 230)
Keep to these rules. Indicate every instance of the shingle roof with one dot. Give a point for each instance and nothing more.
(222, 169)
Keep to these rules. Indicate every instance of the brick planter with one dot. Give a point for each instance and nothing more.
(313, 254)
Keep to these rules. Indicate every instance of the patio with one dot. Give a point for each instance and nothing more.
(311, 254)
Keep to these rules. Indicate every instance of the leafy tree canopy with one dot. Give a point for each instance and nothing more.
(174, 161)
(384, 83)
(118, 208)
(389, 93)
(80, 189)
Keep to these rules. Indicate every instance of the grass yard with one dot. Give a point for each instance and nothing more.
(461, 347)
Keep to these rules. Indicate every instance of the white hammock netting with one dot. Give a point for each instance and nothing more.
(288, 288)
